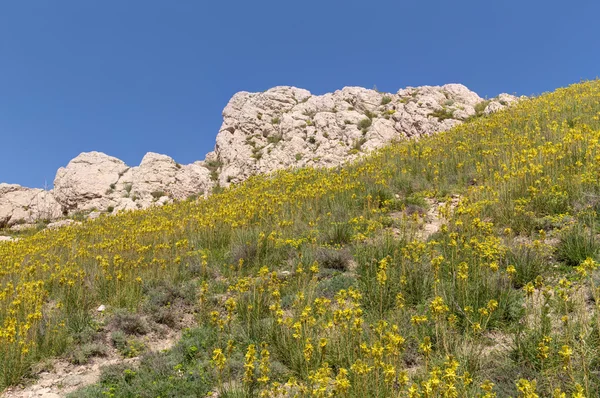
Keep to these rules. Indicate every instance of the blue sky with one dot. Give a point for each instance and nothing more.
(126, 77)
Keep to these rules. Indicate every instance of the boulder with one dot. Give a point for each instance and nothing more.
(62, 223)
(88, 182)
(20, 205)
(94, 181)
(499, 103)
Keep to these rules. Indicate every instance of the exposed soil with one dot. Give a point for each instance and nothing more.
(59, 377)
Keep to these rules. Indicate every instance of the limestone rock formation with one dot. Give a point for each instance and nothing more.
(499, 103)
(95, 181)
(87, 182)
(261, 132)
(19, 205)
(288, 127)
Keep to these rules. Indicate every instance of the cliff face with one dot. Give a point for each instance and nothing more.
(261, 132)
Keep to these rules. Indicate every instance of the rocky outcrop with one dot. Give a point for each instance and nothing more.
(95, 181)
(261, 132)
(288, 127)
(86, 182)
(20, 205)
(499, 103)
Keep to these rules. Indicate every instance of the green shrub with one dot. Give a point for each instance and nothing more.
(129, 323)
(386, 99)
(337, 259)
(442, 114)
(480, 107)
(528, 263)
(274, 139)
(328, 287)
(82, 354)
(158, 194)
(338, 233)
(364, 124)
(129, 347)
(576, 244)
(161, 374)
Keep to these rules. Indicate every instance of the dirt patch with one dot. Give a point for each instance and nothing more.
(432, 221)
(60, 377)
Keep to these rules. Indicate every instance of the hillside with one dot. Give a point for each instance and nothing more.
(461, 264)
(280, 128)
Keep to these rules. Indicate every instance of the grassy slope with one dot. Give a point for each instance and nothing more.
(302, 268)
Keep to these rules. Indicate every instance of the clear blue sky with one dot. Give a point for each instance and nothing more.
(126, 77)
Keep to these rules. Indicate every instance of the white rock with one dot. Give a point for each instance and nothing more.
(94, 215)
(26, 205)
(62, 223)
(88, 181)
(286, 126)
(22, 227)
(101, 308)
(499, 103)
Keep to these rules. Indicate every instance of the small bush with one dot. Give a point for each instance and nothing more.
(442, 114)
(386, 100)
(128, 347)
(165, 316)
(246, 250)
(338, 233)
(157, 194)
(118, 339)
(213, 164)
(257, 153)
(576, 244)
(370, 115)
(480, 107)
(129, 323)
(274, 139)
(337, 259)
(82, 354)
(528, 263)
(364, 124)
(330, 286)
(164, 294)
(358, 144)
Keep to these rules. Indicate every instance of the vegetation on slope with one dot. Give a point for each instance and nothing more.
(317, 283)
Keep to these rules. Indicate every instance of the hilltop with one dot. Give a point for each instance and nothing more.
(262, 132)
(464, 263)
